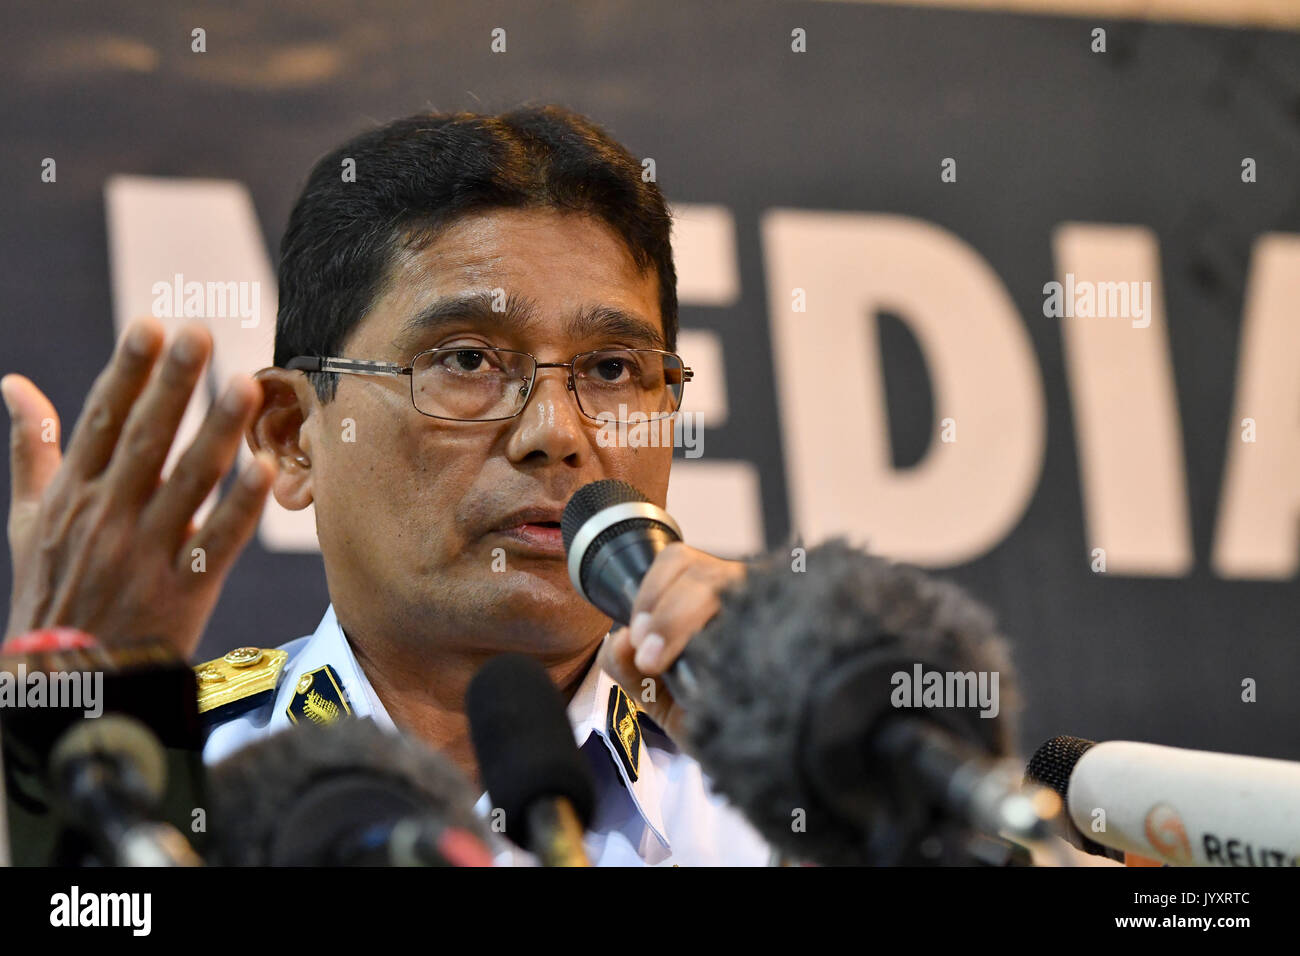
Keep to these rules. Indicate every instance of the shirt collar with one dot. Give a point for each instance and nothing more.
(329, 646)
(588, 713)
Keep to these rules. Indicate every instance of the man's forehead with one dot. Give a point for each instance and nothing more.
(583, 284)
(521, 317)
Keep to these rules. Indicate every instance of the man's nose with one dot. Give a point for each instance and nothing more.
(551, 426)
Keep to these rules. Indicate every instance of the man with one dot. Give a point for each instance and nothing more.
(454, 326)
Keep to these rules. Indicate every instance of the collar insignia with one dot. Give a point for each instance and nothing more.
(624, 730)
(319, 698)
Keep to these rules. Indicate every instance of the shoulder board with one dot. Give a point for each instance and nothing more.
(238, 681)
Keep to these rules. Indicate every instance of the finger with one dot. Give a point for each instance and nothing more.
(210, 456)
(233, 520)
(33, 459)
(679, 616)
(667, 566)
(151, 425)
(613, 650)
(616, 658)
(110, 399)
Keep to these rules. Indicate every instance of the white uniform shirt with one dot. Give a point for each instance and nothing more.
(666, 816)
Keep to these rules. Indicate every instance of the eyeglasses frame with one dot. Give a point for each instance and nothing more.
(355, 366)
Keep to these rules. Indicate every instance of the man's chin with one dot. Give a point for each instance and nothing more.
(537, 595)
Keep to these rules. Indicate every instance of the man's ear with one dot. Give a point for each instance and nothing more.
(287, 401)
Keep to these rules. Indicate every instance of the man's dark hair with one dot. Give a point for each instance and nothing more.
(417, 175)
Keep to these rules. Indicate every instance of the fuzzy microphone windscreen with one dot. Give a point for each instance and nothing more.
(255, 789)
(762, 666)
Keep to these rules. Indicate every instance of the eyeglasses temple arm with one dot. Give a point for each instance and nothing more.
(312, 363)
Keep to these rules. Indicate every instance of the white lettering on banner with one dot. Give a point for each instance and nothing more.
(717, 505)
(704, 251)
(717, 502)
(1131, 470)
(706, 395)
(160, 227)
(963, 497)
(1257, 527)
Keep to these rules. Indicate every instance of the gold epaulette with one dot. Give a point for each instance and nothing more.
(239, 680)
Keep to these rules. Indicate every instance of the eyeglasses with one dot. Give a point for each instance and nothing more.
(490, 385)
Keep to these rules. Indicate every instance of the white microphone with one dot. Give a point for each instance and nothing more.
(1182, 807)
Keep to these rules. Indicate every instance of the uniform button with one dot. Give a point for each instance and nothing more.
(243, 656)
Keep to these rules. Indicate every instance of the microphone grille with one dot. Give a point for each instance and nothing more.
(524, 743)
(119, 737)
(1053, 762)
(591, 498)
(1051, 766)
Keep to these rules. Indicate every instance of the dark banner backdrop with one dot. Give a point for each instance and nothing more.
(1045, 131)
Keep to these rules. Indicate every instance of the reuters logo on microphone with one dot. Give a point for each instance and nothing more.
(1166, 833)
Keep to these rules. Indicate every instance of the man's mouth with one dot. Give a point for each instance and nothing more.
(535, 530)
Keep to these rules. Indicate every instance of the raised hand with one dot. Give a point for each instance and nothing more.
(98, 540)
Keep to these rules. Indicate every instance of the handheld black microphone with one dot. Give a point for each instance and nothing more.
(1182, 807)
(343, 794)
(533, 770)
(612, 534)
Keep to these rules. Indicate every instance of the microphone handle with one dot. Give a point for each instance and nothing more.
(555, 833)
(615, 577)
(952, 775)
(99, 799)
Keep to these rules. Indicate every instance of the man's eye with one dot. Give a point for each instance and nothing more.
(467, 360)
(610, 370)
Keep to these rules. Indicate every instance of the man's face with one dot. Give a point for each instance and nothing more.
(419, 516)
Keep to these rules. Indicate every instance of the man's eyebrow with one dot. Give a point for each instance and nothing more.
(520, 316)
(607, 322)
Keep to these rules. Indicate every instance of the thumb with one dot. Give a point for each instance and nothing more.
(34, 454)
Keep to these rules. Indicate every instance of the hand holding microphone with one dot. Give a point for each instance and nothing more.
(626, 556)
(785, 698)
